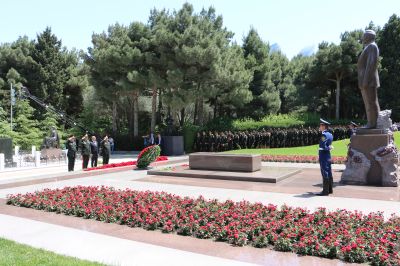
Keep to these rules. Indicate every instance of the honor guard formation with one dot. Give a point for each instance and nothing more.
(214, 141)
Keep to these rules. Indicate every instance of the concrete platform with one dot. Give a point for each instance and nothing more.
(267, 174)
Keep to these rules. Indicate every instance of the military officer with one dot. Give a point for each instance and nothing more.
(105, 150)
(71, 153)
(352, 129)
(324, 154)
(85, 151)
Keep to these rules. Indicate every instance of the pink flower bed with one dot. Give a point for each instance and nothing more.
(113, 165)
(345, 235)
(300, 159)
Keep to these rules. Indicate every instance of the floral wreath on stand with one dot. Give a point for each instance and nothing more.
(147, 156)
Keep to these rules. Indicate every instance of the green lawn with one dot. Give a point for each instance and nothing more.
(340, 149)
(12, 253)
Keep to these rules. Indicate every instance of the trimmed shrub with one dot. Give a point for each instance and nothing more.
(189, 134)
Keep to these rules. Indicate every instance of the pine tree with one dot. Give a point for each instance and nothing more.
(389, 42)
(26, 132)
(51, 70)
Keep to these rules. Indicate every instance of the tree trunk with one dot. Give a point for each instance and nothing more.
(129, 114)
(215, 108)
(200, 112)
(135, 97)
(195, 112)
(182, 117)
(337, 114)
(153, 109)
(159, 119)
(114, 117)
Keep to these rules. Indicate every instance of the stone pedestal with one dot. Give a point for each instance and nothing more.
(366, 144)
(366, 141)
(225, 162)
(51, 153)
(172, 145)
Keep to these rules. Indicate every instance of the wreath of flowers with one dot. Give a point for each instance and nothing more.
(147, 156)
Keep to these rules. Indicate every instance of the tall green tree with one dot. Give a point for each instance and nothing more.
(51, 74)
(334, 63)
(265, 94)
(389, 42)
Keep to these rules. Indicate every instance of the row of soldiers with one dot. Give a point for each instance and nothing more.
(265, 138)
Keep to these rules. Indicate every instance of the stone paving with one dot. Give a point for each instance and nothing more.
(120, 245)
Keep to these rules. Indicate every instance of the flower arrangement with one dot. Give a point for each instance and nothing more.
(300, 159)
(346, 235)
(147, 156)
(113, 165)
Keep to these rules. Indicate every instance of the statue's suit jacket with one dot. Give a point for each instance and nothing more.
(367, 67)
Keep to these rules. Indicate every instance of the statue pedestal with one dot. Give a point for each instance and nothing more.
(371, 159)
(51, 154)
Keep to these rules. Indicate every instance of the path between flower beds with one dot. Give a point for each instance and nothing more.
(345, 235)
(78, 174)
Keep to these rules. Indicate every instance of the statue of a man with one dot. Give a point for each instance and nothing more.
(368, 79)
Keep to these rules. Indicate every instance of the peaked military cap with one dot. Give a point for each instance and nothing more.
(354, 124)
(322, 121)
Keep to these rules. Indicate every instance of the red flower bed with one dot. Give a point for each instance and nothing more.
(113, 165)
(300, 159)
(350, 236)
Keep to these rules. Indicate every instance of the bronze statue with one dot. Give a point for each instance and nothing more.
(368, 79)
(53, 141)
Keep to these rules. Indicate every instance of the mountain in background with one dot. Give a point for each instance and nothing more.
(308, 50)
(274, 48)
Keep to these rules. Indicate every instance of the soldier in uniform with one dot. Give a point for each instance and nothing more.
(230, 141)
(85, 151)
(263, 139)
(316, 136)
(352, 129)
(71, 153)
(324, 155)
(236, 141)
(196, 143)
(268, 140)
(281, 138)
(105, 150)
(211, 142)
(217, 142)
(272, 139)
(203, 141)
(207, 141)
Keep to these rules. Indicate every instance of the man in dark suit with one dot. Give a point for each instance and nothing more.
(368, 79)
(71, 153)
(94, 150)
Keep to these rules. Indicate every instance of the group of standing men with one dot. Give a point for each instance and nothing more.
(151, 140)
(264, 138)
(90, 149)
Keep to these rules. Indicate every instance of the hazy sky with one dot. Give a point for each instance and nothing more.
(293, 25)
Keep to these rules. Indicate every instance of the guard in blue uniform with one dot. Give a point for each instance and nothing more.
(324, 154)
(353, 127)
